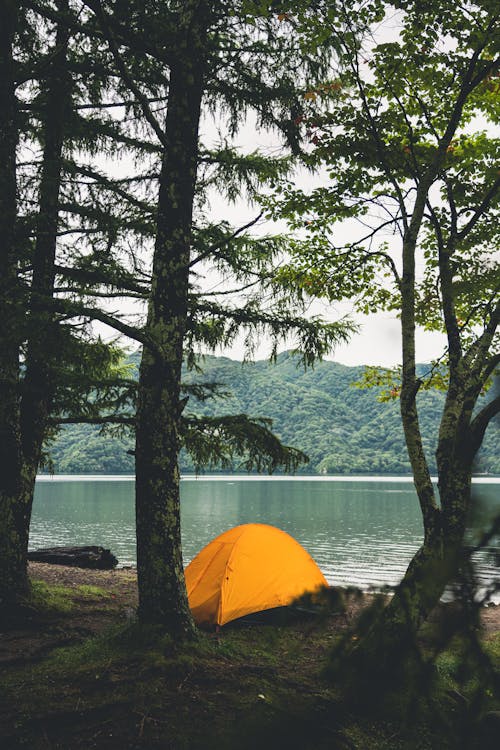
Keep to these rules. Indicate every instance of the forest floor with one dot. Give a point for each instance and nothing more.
(82, 674)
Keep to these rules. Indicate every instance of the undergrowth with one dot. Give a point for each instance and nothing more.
(250, 686)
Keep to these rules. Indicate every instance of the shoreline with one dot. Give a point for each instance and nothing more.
(478, 479)
(82, 674)
(126, 577)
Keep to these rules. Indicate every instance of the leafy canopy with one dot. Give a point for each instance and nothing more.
(375, 132)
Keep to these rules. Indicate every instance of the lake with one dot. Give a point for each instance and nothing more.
(360, 531)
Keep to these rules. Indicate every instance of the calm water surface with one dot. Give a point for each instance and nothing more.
(360, 531)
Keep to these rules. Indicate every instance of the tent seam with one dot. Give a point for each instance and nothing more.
(228, 561)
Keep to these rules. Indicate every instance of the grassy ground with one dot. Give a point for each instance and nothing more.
(84, 675)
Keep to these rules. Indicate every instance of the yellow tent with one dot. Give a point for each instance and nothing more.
(248, 569)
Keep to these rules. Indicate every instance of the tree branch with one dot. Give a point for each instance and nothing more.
(490, 366)
(480, 210)
(225, 241)
(481, 421)
(84, 419)
(92, 276)
(77, 310)
(446, 288)
(96, 7)
(479, 349)
(111, 185)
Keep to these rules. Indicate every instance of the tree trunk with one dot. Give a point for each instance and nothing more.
(32, 415)
(387, 650)
(13, 578)
(162, 590)
(42, 345)
(431, 569)
(386, 646)
(384, 649)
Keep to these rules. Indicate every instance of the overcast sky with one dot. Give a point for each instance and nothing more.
(379, 340)
(378, 343)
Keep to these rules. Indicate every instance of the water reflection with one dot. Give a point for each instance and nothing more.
(361, 533)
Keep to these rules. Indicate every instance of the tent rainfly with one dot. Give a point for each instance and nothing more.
(248, 569)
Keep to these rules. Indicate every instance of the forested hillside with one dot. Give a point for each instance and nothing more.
(343, 429)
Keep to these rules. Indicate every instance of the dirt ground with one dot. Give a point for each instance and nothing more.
(89, 617)
(244, 687)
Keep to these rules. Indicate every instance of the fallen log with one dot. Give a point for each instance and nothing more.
(97, 558)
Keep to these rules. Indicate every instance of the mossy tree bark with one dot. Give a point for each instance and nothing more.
(29, 400)
(42, 345)
(394, 144)
(438, 559)
(444, 522)
(390, 638)
(13, 580)
(162, 591)
(392, 634)
(460, 437)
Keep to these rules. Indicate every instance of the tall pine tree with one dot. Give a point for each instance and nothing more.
(234, 57)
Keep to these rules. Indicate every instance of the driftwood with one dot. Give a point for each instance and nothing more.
(76, 557)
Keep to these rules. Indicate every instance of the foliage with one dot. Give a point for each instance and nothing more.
(131, 680)
(419, 194)
(342, 429)
(377, 132)
(107, 223)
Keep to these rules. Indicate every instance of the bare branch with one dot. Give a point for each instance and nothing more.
(95, 277)
(93, 293)
(77, 310)
(446, 289)
(478, 351)
(111, 185)
(490, 367)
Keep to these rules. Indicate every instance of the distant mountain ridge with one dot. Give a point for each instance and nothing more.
(343, 430)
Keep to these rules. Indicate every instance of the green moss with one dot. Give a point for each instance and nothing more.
(492, 648)
(50, 598)
(92, 592)
(126, 643)
(91, 655)
(53, 599)
(134, 679)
